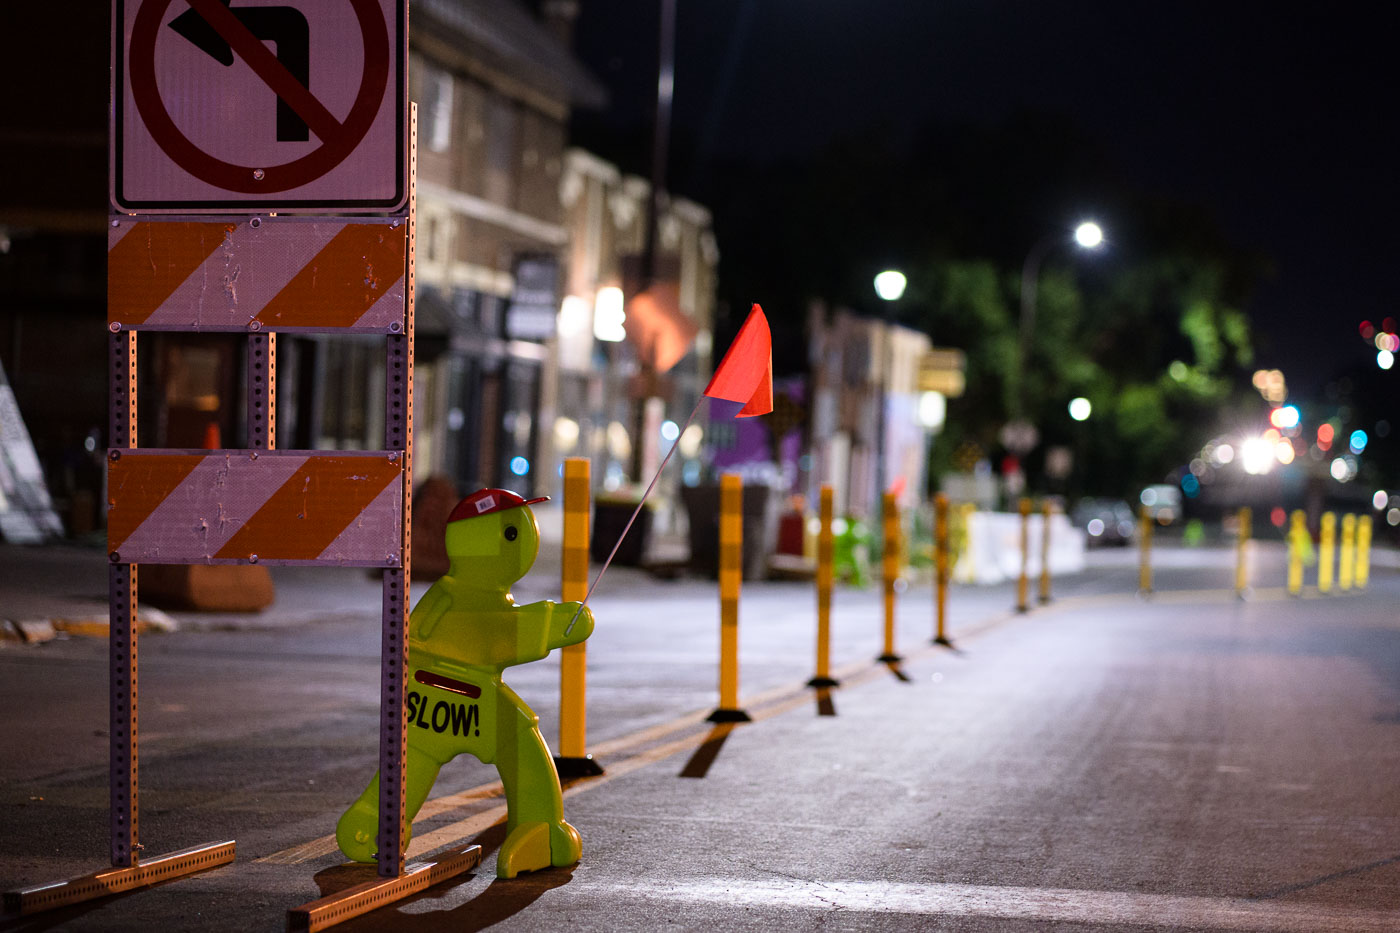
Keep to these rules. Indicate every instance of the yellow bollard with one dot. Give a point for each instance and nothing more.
(1363, 551)
(1297, 548)
(1346, 563)
(940, 567)
(731, 573)
(889, 564)
(1242, 551)
(573, 760)
(1022, 582)
(825, 577)
(1326, 544)
(960, 543)
(1046, 509)
(1145, 551)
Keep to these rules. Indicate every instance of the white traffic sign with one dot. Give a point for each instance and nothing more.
(259, 105)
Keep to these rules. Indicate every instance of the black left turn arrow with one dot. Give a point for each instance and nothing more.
(284, 26)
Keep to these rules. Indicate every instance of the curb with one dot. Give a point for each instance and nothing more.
(41, 631)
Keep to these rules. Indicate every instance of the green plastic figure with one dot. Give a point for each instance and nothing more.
(464, 631)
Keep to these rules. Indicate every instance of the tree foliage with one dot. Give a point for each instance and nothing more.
(1149, 329)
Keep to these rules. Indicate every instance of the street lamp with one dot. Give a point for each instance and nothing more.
(1088, 235)
(890, 284)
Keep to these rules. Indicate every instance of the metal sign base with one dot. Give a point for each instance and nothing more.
(371, 895)
(116, 880)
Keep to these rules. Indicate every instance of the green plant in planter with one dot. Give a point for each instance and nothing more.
(851, 549)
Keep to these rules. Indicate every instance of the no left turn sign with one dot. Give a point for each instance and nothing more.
(262, 105)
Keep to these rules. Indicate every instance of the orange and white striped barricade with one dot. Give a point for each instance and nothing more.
(242, 268)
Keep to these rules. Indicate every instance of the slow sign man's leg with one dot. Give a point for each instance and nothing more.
(536, 834)
(356, 830)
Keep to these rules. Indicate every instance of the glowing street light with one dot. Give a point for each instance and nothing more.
(1258, 455)
(1088, 235)
(1080, 409)
(890, 284)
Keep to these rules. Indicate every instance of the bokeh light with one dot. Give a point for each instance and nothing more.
(1080, 409)
(1257, 456)
(1285, 417)
(609, 315)
(1358, 440)
(1089, 235)
(890, 284)
(1271, 385)
(566, 432)
(1325, 434)
(1379, 500)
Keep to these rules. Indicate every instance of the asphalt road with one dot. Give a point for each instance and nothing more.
(1189, 761)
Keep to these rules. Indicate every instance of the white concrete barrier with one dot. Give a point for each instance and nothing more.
(993, 552)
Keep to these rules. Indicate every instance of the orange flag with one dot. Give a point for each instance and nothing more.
(746, 372)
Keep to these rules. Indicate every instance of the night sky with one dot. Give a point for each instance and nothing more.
(1278, 121)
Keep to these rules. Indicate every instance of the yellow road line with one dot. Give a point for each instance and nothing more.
(648, 746)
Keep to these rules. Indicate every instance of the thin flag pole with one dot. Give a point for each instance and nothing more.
(635, 512)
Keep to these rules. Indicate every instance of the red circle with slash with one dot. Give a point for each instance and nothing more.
(338, 139)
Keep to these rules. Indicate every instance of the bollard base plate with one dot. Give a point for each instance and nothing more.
(823, 682)
(572, 767)
(729, 715)
(941, 640)
(890, 658)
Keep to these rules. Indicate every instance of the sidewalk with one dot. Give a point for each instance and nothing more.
(56, 588)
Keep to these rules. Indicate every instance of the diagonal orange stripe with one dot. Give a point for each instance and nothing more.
(345, 278)
(136, 485)
(312, 508)
(150, 262)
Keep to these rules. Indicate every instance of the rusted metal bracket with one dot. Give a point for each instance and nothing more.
(371, 895)
(116, 880)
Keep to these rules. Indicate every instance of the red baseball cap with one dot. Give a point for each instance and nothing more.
(486, 501)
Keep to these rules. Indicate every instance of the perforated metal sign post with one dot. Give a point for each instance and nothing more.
(260, 275)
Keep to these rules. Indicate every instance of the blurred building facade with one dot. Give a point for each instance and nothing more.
(517, 234)
(876, 392)
(613, 403)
